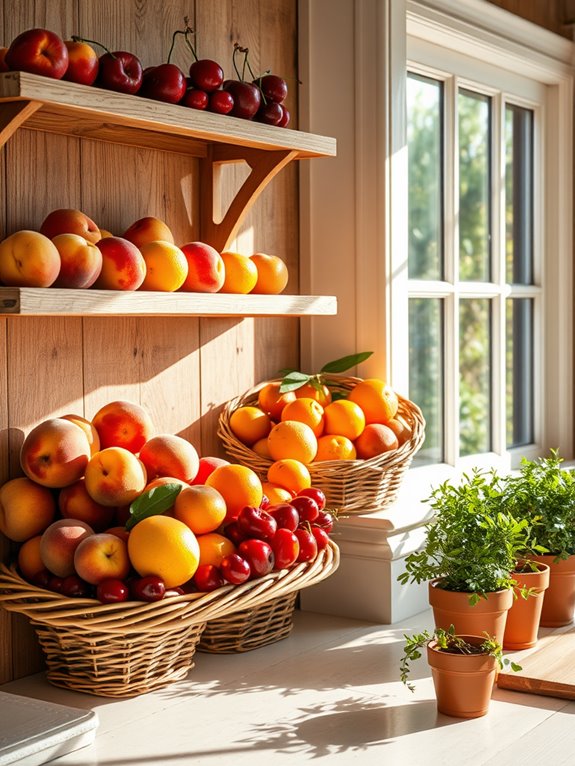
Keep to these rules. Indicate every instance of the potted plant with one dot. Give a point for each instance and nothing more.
(543, 494)
(469, 555)
(463, 669)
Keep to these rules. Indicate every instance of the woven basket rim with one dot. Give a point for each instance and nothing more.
(402, 454)
(131, 617)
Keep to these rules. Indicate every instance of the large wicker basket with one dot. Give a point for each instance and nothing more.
(350, 486)
(127, 649)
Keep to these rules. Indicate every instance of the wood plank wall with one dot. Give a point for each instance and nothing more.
(555, 15)
(181, 370)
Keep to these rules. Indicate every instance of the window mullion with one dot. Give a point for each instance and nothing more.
(498, 241)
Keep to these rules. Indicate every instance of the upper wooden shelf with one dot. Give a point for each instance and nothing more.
(89, 112)
(36, 301)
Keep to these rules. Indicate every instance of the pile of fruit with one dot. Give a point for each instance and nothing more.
(110, 509)
(300, 417)
(260, 98)
(71, 251)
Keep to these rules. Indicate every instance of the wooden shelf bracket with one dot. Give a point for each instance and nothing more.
(13, 114)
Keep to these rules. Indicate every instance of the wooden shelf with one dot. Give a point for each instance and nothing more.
(35, 301)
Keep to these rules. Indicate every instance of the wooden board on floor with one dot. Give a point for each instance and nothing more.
(549, 670)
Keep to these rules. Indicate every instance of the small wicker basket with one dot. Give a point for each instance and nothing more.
(130, 648)
(350, 486)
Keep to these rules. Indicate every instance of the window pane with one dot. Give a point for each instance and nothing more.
(426, 377)
(519, 195)
(425, 164)
(520, 371)
(474, 118)
(475, 376)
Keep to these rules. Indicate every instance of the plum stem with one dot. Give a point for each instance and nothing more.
(189, 31)
(78, 39)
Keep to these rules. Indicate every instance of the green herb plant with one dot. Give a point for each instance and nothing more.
(543, 495)
(293, 379)
(473, 542)
(448, 641)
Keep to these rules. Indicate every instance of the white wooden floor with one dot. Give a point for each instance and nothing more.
(328, 693)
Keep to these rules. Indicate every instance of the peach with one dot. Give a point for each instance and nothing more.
(148, 229)
(70, 221)
(55, 453)
(101, 556)
(206, 270)
(120, 532)
(170, 455)
(400, 428)
(30, 562)
(115, 476)
(26, 509)
(375, 439)
(74, 502)
(161, 481)
(88, 428)
(81, 261)
(123, 424)
(123, 265)
(206, 466)
(28, 259)
(59, 542)
(105, 233)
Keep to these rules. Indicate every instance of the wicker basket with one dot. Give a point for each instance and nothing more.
(127, 649)
(350, 486)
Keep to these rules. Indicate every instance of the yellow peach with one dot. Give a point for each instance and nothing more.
(88, 428)
(59, 542)
(80, 261)
(28, 259)
(102, 556)
(148, 229)
(170, 455)
(115, 476)
(55, 453)
(26, 509)
(70, 221)
(74, 502)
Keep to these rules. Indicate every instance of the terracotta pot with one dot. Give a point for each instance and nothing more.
(559, 601)
(463, 682)
(523, 617)
(453, 608)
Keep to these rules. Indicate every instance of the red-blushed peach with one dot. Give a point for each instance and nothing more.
(123, 265)
(206, 270)
(105, 233)
(166, 266)
(123, 424)
(206, 466)
(80, 261)
(70, 221)
(161, 481)
(26, 509)
(170, 455)
(375, 439)
(74, 502)
(29, 559)
(120, 532)
(115, 476)
(55, 453)
(148, 229)
(88, 428)
(59, 542)
(28, 259)
(102, 556)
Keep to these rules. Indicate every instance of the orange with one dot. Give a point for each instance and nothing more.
(377, 400)
(271, 401)
(276, 494)
(166, 547)
(214, 548)
(335, 447)
(290, 438)
(289, 474)
(250, 424)
(344, 418)
(241, 273)
(238, 485)
(166, 266)
(201, 508)
(261, 447)
(272, 274)
(375, 439)
(306, 410)
(321, 394)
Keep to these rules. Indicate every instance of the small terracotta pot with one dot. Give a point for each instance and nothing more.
(559, 601)
(453, 608)
(523, 617)
(463, 682)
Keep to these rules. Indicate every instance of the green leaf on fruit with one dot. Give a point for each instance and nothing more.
(346, 362)
(153, 502)
(294, 380)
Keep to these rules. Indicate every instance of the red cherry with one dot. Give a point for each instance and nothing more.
(247, 98)
(55, 583)
(207, 578)
(255, 522)
(285, 546)
(321, 537)
(221, 102)
(112, 591)
(165, 82)
(307, 544)
(195, 99)
(120, 71)
(285, 118)
(149, 588)
(273, 87)
(270, 113)
(206, 74)
(306, 507)
(235, 569)
(265, 503)
(259, 556)
(74, 586)
(316, 494)
(285, 515)
(325, 520)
